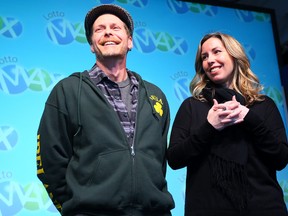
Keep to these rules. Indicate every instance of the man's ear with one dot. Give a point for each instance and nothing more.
(92, 48)
(130, 43)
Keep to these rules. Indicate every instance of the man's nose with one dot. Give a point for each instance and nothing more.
(108, 31)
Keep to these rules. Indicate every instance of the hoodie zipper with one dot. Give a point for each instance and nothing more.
(132, 151)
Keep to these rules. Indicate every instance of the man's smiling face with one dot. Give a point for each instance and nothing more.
(110, 37)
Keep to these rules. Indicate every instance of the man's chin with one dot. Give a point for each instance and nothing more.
(110, 56)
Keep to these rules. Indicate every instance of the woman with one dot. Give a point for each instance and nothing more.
(229, 136)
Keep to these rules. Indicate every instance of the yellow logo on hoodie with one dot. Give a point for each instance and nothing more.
(158, 106)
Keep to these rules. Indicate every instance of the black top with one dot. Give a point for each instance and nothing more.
(262, 131)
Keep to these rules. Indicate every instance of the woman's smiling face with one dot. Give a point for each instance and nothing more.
(217, 63)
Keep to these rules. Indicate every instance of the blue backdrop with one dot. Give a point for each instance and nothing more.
(43, 41)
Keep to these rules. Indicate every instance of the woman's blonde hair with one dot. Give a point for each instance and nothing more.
(245, 82)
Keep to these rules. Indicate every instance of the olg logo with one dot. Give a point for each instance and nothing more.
(10, 201)
(244, 16)
(181, 85)
(181, 88)
(179, 7)
(275, 94)
(8, 138)
(14, 198)
(284, 186)
(146, 41)
(61, 31)
(262, 17)
(10, 27)
(15, 79)
(250, 51)
(249, 16)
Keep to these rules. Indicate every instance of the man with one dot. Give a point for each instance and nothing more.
(102, 138)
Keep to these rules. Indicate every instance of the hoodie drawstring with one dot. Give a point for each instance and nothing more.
(78, 105)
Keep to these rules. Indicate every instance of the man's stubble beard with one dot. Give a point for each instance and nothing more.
(109, 54)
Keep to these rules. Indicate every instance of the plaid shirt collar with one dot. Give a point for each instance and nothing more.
(98, 75)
